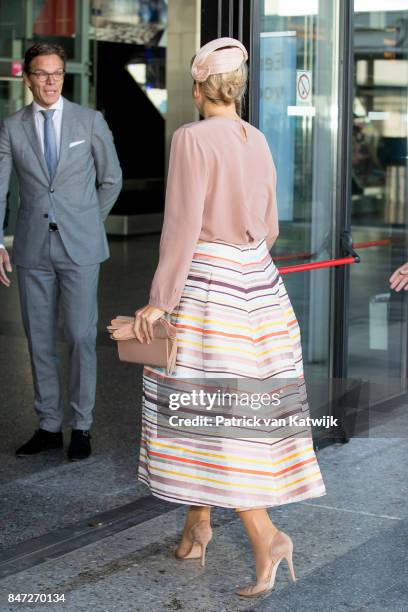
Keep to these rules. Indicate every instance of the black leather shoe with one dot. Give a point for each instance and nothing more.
(42, 440)
(80, 446)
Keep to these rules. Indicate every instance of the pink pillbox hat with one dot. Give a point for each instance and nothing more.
(206, 62)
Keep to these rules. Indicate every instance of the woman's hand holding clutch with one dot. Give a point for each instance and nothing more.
(144, 319)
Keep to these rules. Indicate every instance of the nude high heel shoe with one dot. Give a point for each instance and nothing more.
(200, 535)
(281, 548)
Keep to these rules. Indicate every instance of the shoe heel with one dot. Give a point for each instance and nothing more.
(202, 534)
(289, 559)
(203, 549)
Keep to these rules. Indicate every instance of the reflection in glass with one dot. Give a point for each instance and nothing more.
(378, 317)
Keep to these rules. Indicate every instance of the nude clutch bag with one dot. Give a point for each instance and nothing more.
(161, 352)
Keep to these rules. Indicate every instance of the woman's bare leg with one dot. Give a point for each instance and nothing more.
(194, 515)
(260, 531)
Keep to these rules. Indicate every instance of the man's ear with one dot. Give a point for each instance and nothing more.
(26, 80)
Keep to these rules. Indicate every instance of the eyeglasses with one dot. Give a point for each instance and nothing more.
(43, 76)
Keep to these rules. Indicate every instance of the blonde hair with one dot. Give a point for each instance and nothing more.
(226, 87)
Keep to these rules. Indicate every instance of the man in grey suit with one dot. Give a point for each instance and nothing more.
(69, 178)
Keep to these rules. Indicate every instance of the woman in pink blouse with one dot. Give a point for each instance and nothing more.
(217, 283)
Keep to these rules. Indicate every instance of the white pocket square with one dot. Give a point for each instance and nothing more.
(77, 142)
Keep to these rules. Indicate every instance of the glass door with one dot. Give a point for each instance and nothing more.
(331, 96)
(378, 316)
(296, 53)
(296, 108)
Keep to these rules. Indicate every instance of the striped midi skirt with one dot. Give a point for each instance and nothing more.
(234, 320)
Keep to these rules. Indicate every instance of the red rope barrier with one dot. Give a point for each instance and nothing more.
(327, 263)
(369, 243)
(356, 245)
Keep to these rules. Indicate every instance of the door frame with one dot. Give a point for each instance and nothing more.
(342, 209)
(233, 18)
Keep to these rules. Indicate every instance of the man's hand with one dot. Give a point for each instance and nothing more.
(144, 319)
(5, 266)
(399, 279)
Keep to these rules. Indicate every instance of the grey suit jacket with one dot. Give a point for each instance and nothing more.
(87, 181)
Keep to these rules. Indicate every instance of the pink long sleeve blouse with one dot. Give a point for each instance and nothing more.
(221, 187)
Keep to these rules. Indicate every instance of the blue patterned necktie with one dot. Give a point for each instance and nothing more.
(50, 148)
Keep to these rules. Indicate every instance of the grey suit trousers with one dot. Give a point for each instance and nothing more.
(60, 280)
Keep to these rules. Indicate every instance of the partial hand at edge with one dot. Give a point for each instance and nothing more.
(5, 266)
(399, 279)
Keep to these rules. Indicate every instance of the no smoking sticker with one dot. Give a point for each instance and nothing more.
(304, 87)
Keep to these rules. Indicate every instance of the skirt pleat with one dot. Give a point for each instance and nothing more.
(234, 320)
